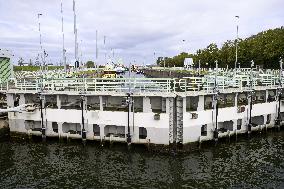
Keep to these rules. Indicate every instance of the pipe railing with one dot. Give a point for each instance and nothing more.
(206, 83)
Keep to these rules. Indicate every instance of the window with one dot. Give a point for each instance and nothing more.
(204, 130)
(55, 127)
(96, 130)
(142, 133)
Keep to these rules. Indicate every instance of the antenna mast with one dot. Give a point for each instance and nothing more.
(63, 40)
(75, 33)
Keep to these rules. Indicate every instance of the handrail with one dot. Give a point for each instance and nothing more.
(205, 83)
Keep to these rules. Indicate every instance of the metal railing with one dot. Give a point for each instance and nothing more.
(96, 84)
(205, 83)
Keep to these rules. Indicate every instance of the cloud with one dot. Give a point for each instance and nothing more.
(134, 29)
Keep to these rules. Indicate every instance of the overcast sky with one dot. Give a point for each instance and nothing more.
(135, 29)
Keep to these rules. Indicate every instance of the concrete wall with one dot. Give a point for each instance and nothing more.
(157, 130)
(161, 128)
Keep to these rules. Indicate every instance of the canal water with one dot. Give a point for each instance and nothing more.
(254, 163)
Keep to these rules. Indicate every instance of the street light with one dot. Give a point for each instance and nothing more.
(38, 17)
(183, 46)
(237, 20)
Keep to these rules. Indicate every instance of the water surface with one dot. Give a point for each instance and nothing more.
(255, 163)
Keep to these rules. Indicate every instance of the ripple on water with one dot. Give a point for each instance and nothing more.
(246, 164)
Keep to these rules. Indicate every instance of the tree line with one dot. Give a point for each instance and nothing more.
(264, 48)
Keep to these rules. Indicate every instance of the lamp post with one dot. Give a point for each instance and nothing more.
(40, 44)
(105, 49)
(183, 45)
(237, 38)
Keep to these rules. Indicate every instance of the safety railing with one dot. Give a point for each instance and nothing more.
(206, 84)
(97, 84)
(4, 86)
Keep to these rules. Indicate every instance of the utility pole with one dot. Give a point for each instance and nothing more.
(237, 38)
(40, 43)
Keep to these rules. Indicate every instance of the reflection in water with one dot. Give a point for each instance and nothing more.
(246, 164)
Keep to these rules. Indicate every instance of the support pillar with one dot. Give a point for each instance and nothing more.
(83, 123)
(164, 104)
(10, 100)
(172, 121)
(179, 118)
(250, 102)
(60, 131)
(43, 126)
(102, 134)
(58, 100)
(146, 105)
(22, 99)
(101, 103)
(236, 99)
(200, 103)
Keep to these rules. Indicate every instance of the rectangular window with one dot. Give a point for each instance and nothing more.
(204, 130)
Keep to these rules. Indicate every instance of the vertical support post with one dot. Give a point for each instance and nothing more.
(83, 120)
(250, 112)
(250, 99)
(200, 103)
(215, 104)
(101, 103)
(43, 129)
(128, 140)
(171, 120)
(58, 100)
(147, 105)
(179, 117)
(279, 93)
(236, 99)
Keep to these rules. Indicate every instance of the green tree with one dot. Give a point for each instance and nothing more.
(90, 64)
(265, 48)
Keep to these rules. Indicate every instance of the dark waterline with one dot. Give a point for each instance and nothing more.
(246, 164)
